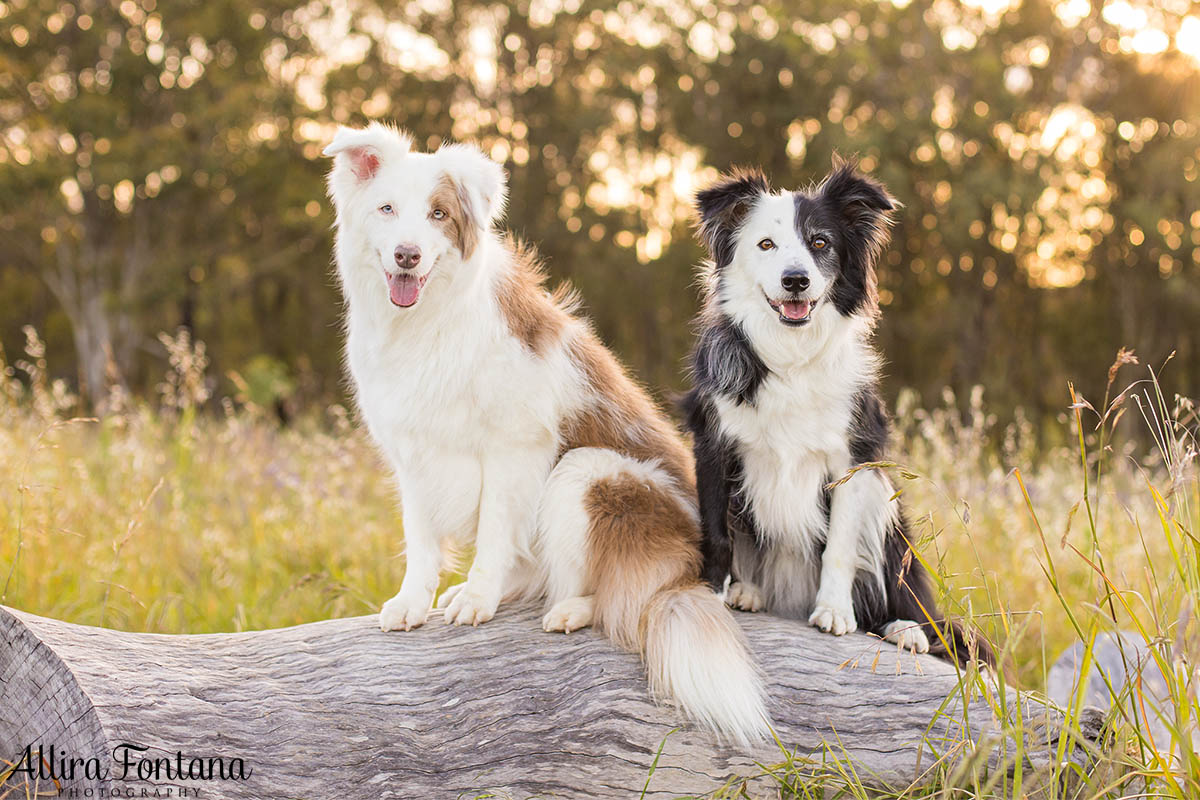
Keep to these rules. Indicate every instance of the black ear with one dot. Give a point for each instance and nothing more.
(722, 207)
(864, 208)
(863, 202)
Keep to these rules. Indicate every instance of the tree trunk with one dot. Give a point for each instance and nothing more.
(97, 284)
(338, 709)
(75, 282)
(92, 332)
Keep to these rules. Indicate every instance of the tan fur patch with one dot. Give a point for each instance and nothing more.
(641, 541)
(621, 416)
(534, 316)
(643, 538)
(459, 225)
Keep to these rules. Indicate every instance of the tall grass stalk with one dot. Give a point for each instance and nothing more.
(197, 515)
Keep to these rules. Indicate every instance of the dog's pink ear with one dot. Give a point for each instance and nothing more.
(363, 151)
(364, 162)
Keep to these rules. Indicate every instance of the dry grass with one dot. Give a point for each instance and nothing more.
(997, 519)
(159, 518)
(170, 521)
(1046, 549)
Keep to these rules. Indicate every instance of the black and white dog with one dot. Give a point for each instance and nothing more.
(786, 406)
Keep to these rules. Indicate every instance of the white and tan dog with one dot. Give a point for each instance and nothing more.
(511, 427)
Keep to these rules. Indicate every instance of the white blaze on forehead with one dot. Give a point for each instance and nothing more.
(405, 184)
(774, 217)
(775, 213)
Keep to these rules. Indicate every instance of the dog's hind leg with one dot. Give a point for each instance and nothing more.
(907, 634)
(570, 614)
(562, 536)
(745, 589)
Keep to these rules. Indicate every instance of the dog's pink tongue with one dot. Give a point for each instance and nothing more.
(795, 309)
(404, 289)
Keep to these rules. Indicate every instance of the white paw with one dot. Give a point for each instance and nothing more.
(745, 596)
(448, 595)
(470, 606)
(569, 615)
(833, 618)
(404, 612)
(907, 634)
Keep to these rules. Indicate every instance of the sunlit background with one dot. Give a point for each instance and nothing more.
(160, 169)
(176, 450)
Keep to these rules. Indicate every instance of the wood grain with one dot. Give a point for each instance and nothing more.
(338, 709)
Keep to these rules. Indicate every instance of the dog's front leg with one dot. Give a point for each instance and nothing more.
(512, 484)
(857, 517)
(423, 555)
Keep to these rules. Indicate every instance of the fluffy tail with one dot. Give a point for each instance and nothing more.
(644, 565)
(696, 656)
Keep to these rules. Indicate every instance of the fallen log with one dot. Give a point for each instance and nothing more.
(340, 709)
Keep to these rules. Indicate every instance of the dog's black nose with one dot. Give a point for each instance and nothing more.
(794, 280)
(407, 256)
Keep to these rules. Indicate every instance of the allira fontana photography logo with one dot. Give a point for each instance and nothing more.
(127, 762)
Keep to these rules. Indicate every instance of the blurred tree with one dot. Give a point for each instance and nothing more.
(141, 164)
(1046, 153)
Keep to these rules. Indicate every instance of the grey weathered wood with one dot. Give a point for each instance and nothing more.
(340, 709)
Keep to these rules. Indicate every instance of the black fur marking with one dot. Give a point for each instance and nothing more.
(870, 427)
(859, 206)
(718, 472)
(724, 363)
(723, 206)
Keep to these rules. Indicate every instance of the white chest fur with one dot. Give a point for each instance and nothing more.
(791, 442)
(795, 437)
(448, 382)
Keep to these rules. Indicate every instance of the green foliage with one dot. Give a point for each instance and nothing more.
(159, 167)
(156, 518)
(160, 171)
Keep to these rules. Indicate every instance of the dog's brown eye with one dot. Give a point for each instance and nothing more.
(386, 208)
(439, 213)
(766, 244)
(819, 243)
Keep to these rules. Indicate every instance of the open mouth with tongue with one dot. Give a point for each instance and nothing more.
(792, 312)
(405, 288)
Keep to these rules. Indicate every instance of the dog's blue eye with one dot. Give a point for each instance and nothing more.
(386, 208)
(819, 243)
(766, 244)
(439, 213)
